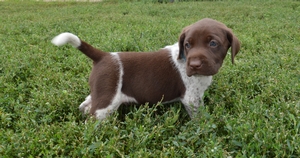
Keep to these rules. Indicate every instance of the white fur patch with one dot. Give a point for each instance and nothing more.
(195, 85)
(85, 106)
(65, 38)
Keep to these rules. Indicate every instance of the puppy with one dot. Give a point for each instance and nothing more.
(178, 72)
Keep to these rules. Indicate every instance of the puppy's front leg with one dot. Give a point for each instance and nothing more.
(192, 105)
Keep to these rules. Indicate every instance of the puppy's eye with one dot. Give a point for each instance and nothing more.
(213, 43)
(187, 46)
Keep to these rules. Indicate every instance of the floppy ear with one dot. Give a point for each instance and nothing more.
(181, 42)
(181, 48)
(234, 43)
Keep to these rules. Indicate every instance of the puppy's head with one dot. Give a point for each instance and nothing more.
(204, 46)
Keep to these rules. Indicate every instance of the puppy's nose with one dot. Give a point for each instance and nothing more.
(195, 64)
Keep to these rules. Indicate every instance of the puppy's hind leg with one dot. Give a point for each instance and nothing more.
(104, 112)
(85, 106)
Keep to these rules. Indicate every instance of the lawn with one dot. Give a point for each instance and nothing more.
(252, 108)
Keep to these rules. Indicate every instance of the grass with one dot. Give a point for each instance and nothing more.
(252, 108)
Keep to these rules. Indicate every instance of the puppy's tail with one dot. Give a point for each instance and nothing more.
(84, 47)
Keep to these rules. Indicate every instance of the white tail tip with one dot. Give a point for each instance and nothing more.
(65, 38)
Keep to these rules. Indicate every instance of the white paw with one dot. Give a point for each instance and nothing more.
(86, 105)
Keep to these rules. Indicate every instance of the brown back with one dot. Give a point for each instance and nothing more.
(151, 77)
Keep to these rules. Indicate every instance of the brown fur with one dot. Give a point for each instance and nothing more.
(93, 53)
(105, 76)
(149, 77)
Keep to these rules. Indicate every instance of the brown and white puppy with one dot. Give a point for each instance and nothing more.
(179, 72)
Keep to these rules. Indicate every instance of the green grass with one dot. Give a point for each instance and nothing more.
(252, 108)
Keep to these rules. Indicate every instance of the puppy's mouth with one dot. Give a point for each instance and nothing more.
(190, 73)
(201, 69)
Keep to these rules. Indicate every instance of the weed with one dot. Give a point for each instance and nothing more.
(252, 107)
